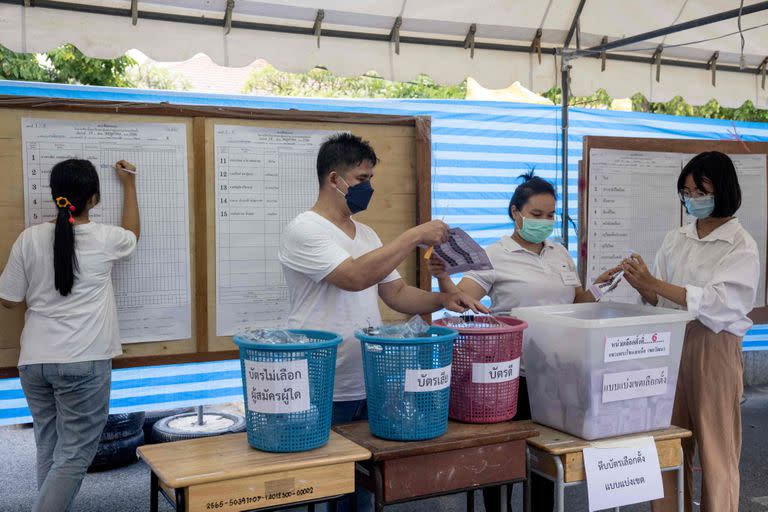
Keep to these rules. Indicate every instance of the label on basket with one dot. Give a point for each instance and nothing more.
(623, 475)
(493, 373)
(635, 384)
(277, 387)
(637, 346)
(417, 381)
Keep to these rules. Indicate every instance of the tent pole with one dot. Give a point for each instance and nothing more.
(698, 22)
(574, 23)
(565, 78)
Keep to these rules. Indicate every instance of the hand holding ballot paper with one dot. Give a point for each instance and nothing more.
(609, 280)
(458, 254)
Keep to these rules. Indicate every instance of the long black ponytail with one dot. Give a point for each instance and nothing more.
(73, 184)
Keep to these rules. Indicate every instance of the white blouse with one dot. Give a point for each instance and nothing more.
(719, 272)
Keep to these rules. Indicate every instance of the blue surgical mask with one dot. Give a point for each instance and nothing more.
(536, 230)
(357, 196)
(700, 207)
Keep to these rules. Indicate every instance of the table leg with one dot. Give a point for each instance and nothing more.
(681, 483)
(311, 506)
(527, 483)
(470, 501)
(154, 489)
(181, 504)
(559, 485)
(502, 498)
(378, 495)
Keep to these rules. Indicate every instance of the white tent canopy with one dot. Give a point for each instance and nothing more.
(356, 38)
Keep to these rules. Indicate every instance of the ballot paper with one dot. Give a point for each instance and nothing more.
(600, 290)
(461, 254)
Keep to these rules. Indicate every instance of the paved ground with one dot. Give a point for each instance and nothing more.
(127, 489)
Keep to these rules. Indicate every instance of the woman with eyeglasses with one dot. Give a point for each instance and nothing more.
(711, 268)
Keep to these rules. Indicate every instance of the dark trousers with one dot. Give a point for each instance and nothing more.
(542, 490)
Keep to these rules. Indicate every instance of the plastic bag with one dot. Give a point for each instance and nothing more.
(273, 336)
(416, 327)
(471, 321)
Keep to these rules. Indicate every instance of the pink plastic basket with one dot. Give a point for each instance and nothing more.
(486, 364)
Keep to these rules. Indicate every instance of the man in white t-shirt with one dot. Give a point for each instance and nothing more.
(336, 268)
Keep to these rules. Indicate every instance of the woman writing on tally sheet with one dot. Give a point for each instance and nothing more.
(711, 268)
(63, 270)
(529, 269)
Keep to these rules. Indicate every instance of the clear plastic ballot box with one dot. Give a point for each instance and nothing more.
(604, 369)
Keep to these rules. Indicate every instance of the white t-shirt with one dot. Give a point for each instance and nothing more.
(312, 247)
(521, 278)
(83, 325)
(719, 272)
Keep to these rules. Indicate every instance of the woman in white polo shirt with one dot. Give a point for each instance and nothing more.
(710, 267)
(528, 270)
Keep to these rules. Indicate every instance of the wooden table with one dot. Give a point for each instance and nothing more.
(224, 473)
(559, 457)
(466, 458)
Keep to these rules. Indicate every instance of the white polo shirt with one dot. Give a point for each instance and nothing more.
(523, 278)
(719, 272)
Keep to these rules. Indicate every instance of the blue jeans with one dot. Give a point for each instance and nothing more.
(69, 403)
(345, 412)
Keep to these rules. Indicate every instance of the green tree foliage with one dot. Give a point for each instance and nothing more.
(320, 82)
(677, 106)
(67, 65)
(23, 66)
(600, 99)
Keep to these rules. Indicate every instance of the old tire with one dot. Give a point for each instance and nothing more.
(184, 426)
(152, 417)
(117, 453)
(122, 426)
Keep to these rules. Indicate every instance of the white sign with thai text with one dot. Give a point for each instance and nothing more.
(277, 387)
(623, 475)
(419, 381)
(494, 373)
(634, 384)
(637, 346)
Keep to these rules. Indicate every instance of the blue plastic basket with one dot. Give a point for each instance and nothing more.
(276, 431)
(392, 368)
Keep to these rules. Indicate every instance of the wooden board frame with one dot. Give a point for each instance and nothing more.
(758, 315)
(196, 118)
(396, 175)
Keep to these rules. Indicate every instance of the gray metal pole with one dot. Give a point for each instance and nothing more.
(566, 68)
(698, 22)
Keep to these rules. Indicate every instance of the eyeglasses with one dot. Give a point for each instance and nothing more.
(696, 194)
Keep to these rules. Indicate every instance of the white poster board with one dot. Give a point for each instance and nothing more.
(264, 178)
(633, 204)
(152, 288)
